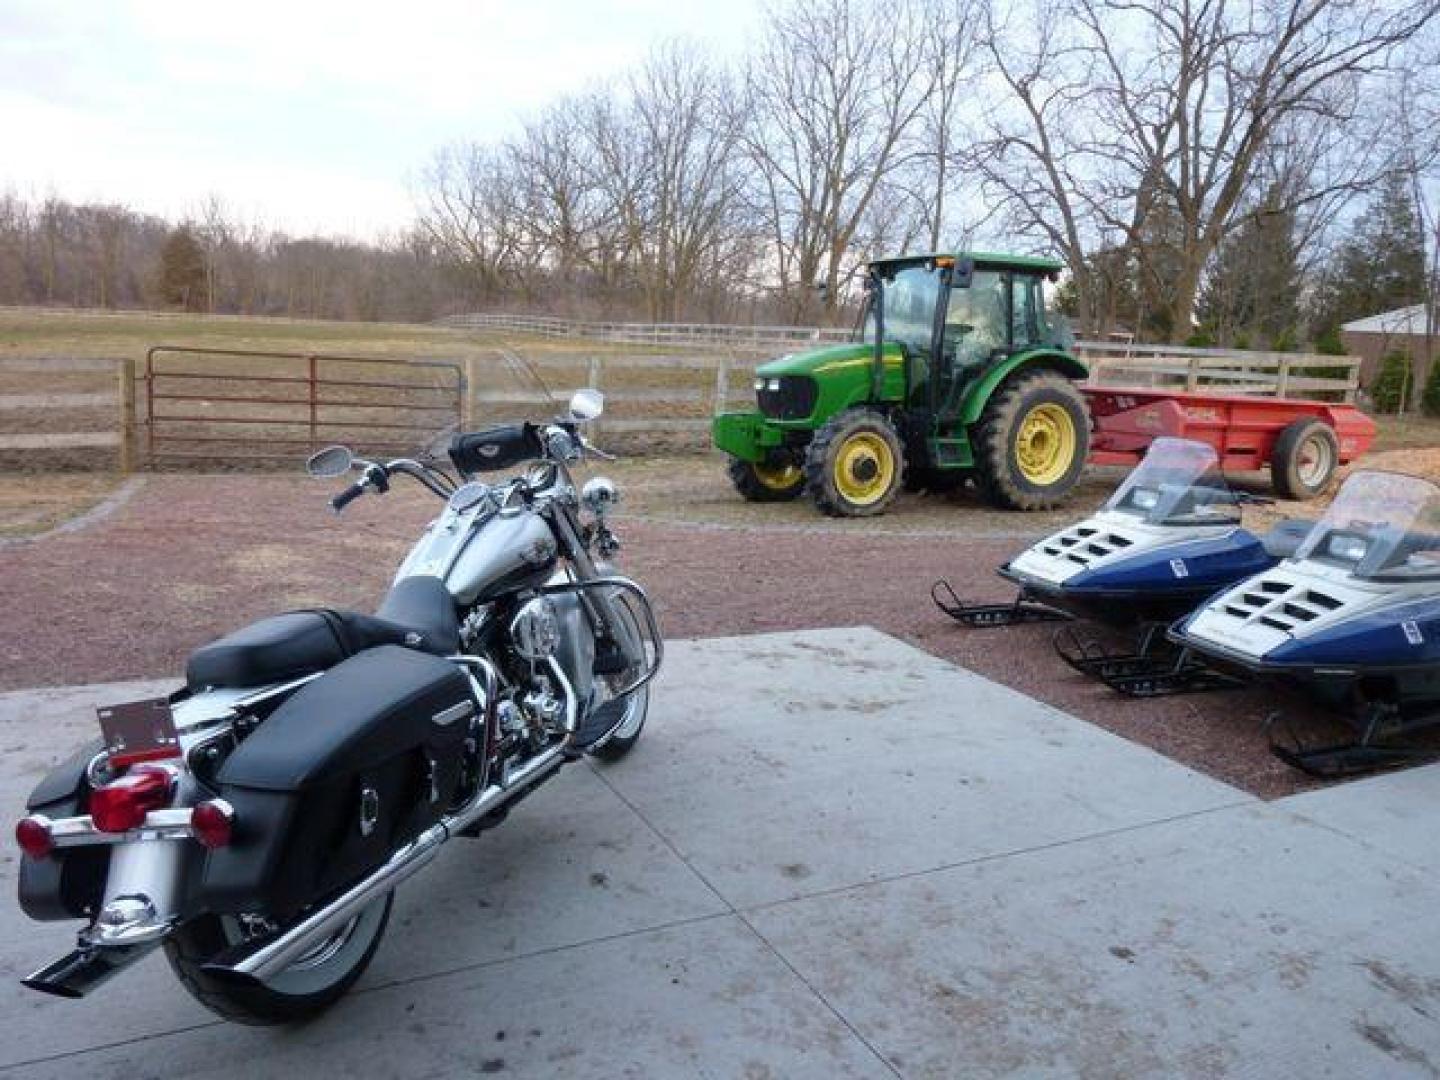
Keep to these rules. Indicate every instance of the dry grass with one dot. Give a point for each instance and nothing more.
(68, 353)
(38, 333)
(1402, 432)
(30, 505)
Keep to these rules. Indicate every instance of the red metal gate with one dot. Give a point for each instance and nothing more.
(238, 405)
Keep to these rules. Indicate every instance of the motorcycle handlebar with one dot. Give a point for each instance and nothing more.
(561, 445)
(346, 497)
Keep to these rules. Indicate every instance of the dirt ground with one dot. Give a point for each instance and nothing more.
(189, 557)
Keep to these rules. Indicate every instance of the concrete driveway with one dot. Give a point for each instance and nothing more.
(834, 855)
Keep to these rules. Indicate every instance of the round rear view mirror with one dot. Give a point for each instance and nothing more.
(332, 461)
(587, 404)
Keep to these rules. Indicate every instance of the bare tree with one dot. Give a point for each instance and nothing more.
(469, 216)
(833, 102)
(689, 192)
(1033, 145)
(1151, 111)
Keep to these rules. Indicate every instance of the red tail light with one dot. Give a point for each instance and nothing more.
(122, 804)
(33, 836)
(212, 823)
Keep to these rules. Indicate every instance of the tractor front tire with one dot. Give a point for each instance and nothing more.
(765, 483)
(854, 464)
(1031, 442)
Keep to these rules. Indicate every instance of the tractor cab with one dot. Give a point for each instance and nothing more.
(954, 316)
(955, 372)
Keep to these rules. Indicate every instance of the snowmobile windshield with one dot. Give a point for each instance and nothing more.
(1178, 483)
(1382, 527)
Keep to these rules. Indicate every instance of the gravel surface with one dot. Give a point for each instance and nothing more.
(188, 558)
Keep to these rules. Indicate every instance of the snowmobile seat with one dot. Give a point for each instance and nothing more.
(1285, 538)
(419, 613)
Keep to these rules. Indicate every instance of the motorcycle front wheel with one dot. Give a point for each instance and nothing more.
(308, 987)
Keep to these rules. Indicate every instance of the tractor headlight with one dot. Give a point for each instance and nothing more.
(759, 384)
(774, 385)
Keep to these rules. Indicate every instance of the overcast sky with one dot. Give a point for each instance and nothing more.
(310, 116)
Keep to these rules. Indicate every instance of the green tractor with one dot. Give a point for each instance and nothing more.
(956, 373)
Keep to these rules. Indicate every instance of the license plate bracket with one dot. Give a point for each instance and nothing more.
(136, 731)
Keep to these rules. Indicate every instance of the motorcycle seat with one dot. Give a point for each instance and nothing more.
(419, 613)
(1285, 537)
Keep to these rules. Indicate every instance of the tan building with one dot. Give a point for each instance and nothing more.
(1401, 330)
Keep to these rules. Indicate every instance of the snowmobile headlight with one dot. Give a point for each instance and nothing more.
(1145, 498)
(1349, 548)
(774, 385)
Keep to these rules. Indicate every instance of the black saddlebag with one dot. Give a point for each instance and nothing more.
(348, 769)
(67, 883)
(495, 448)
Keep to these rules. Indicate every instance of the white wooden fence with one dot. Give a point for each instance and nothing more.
(1115, 364)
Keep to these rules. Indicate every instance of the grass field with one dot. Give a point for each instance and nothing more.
(52, 353)
(69, 353)
(38, 333)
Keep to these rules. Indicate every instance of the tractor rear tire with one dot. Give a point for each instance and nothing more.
(765, 483)
(854, 464)
(1031, 442)
(1304, 459)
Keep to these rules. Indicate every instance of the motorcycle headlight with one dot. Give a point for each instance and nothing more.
(599, 494)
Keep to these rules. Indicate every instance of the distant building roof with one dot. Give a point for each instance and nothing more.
(1401, 321)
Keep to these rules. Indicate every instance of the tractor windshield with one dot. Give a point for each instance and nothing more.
(910, 296)
(1381, 526)
(1179, 482)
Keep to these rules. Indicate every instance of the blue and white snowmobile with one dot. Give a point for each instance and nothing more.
(1352, 621)
(1168, 539)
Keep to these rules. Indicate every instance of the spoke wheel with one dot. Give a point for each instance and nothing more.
(1045, 446)
(1031, 442)
(854, 464)
(757, 482)
(310, 985)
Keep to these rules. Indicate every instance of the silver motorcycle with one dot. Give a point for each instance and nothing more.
(255, 823)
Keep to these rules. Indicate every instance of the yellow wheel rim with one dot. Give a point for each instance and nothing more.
(864, 469)
(777, 477)
(1046, 444)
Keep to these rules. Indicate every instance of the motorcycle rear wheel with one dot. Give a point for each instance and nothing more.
(302, 991)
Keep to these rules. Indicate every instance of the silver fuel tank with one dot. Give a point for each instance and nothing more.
(480, 552)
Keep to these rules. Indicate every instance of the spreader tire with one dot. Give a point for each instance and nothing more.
(1304, 460)
(854, 464)
(1031, 442)
(765, 483)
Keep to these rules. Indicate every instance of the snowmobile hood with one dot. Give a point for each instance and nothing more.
(1308, 612)
(1084, 555)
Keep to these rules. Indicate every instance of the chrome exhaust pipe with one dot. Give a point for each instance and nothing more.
(87, 967)
(265, 957)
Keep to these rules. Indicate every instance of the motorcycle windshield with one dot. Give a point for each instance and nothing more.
(1382, 526)
(1179, 482)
